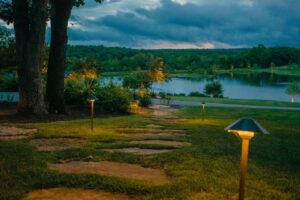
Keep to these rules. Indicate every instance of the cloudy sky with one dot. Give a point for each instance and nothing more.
(187, 23)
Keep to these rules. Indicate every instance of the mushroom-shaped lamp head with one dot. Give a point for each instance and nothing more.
(246, 128)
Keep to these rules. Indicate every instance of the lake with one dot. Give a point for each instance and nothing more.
(263, 86)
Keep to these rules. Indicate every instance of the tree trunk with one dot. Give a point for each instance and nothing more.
(30, 27)
(61, 11)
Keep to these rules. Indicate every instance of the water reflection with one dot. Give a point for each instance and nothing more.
(263, 86)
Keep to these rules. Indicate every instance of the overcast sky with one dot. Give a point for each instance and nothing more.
(187, 23)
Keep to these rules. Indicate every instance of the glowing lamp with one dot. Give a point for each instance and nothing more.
(245, 128)
(203, 104)
(92, 101)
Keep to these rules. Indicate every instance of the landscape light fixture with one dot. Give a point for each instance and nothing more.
(203, 104)
(92, 101)
(245, 128)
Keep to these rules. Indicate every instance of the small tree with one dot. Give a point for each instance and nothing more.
(214, 89)
(292, 90)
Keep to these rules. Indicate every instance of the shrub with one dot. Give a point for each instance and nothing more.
(77, 90)
(114, 98)
(197, 94)
(214, 89)
(9, 82)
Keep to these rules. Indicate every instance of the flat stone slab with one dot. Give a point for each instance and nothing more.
(153, 135)
(74, 194)
(139, 151)
(57, 144)
(123, 170)
(175, 144)
(153, 126)
(14, 133)
(148, 130)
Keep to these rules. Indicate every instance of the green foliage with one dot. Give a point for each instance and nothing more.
(293, 88)
(137, 80)
(113, 98)
(144, 98)
(197, 94)
(79, 90)
(110, 59)
(214, 89)
(8, 82)
(7, 49)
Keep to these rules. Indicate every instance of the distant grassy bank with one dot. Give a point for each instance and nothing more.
(237, 101)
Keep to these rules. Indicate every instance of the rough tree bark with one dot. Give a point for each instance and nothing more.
(30, 26)
(60, 14)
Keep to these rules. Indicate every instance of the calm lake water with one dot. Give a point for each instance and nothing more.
(263, 86)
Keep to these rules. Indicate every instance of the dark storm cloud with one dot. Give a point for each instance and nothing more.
(193, 23)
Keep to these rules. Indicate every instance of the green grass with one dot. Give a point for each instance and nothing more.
(210, 166)
(237, 101)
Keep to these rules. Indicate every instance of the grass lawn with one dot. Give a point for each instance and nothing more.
(236, 101)
(209, 169)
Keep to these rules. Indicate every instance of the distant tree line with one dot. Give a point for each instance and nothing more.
(113, 59)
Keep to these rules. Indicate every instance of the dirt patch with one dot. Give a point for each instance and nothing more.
(139, 151)
(154, 136)
(123, 170)
(57, 144)
(14, 133)
(74, 194)
(163, 142)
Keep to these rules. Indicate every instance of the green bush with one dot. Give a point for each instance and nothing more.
(78, 91)
(114, 98)
(9, 82)
(214, 89)
(197, 94)
(145, 100)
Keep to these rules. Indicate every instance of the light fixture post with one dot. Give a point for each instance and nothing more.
(203, 110)
(92, 113)
(244, 163)
(245, 128)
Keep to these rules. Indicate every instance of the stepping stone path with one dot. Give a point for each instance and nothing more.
(139, 151)
(163, 112)
(148, 136)
(153, 134)
(57, 144)
(123, 170)
(14, 133)
(74, 194)
(162, 142)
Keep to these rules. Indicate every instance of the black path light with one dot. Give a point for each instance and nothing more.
(92, 101)
(245, 128)
(203, 104)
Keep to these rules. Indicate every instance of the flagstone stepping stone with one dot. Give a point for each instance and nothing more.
(154, 126)
(175, 144)
(57, 144)
(148, 130)
(74, 194)
(14, 133)
(123, 170)
(139, 151)
(153, 136)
